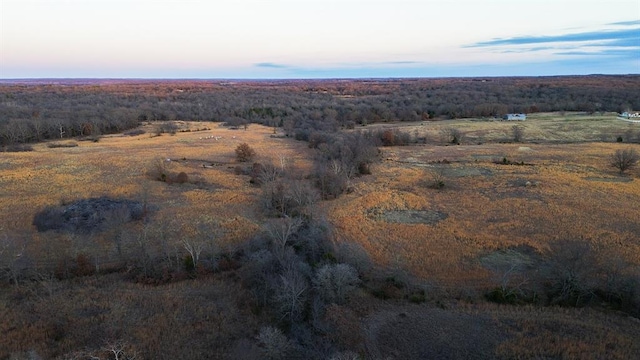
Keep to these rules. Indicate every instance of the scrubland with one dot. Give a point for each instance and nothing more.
(486, 249)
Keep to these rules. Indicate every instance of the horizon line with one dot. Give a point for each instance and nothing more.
(26, 79)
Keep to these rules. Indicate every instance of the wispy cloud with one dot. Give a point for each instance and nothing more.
(627, 23)
(616, 43)
(270, 65)
(606, 52)
(629, 37)
(402, 62)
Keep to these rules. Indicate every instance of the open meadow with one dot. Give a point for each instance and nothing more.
(432, 230)
(556, 185)
(124, 166)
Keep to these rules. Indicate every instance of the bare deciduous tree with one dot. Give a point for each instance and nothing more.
(285, 162)
(14, 260)
(334, 282)
(292, 293)
(345, 355)
(518, 132)
(302, 193)
(624, 160)
(274, 343)
(210, 232)
(281, 231)
(119, 350)
(194, 246)
(267, 173)
(571, 272)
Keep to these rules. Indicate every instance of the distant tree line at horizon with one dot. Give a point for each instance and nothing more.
(36, 111)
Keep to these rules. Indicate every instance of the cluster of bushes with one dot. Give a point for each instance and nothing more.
(340, 158)
(572, 273)
(134, 132)
(393, 137)
(16, 148)
(161, 170)
(66, 144)
(296, 278)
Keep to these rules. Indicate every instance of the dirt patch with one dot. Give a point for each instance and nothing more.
(614, 180)
(419, 333)
(465, 171)
(89, 215)
(523, 183)
(429, 217)
(518, 257)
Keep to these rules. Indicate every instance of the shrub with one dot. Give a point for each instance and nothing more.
(518, 132)
(67, 144)
(388, 138)
(330, 184)
(159, 169)
(244, 152)
(437, 180)
(452, 135)
(418, 297)
(502, 296)
(167, 127)
(182, 178)
(17, 148)
(134, 132)
(318, 138)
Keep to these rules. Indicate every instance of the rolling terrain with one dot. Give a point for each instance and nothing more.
(489, 248)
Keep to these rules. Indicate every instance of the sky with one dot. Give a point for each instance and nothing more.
(251, 39)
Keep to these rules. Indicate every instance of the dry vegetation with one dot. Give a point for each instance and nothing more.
(443, 225)
(564, 191)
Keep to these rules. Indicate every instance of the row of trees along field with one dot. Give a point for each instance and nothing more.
(38, 110)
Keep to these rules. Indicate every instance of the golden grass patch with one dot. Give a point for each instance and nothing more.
(562, 192)
(118, 165)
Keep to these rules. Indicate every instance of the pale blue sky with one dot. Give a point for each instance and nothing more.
(317, 38)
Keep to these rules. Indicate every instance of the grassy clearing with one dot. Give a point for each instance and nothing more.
(117, 166)
(539, 128)
(491, 206)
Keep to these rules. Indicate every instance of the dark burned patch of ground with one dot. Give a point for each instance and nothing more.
(610, 179)
(516, 257)
(89, 215)
(429, 217)
(432, 333)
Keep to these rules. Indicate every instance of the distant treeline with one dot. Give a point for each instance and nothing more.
(39, 109)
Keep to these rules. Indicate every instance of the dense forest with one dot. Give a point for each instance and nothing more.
(35, 110)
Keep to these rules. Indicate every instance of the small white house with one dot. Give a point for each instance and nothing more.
(628, 115)
(515, 117)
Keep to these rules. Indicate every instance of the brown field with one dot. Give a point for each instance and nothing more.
(573, 194)
(117, 166)
(564, 190)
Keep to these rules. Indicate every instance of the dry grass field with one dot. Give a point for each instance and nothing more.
(563, 192)
(539, 128)
(118, 166)
(555, 186)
